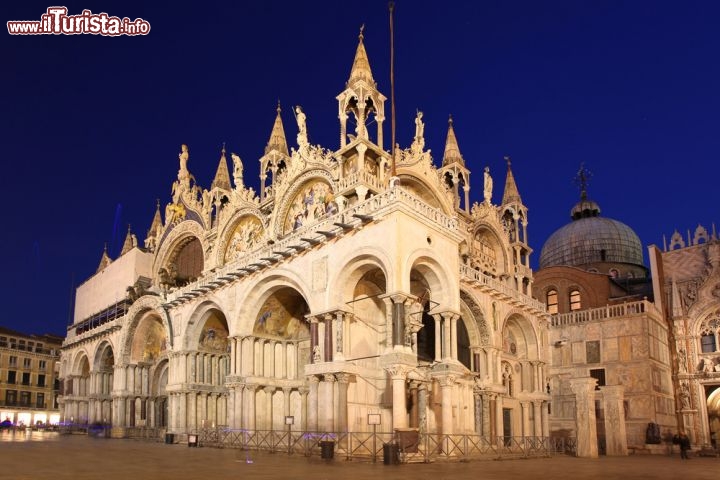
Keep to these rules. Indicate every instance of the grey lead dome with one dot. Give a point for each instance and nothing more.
(590, 239)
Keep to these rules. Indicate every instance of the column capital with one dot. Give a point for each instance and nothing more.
(270, 389)
(446, 380)
(329, 377)
(398, 371)
(583, 385)
(343, 377)
(312, 379)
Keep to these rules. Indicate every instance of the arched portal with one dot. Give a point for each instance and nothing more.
(712, 392)
(101, 411)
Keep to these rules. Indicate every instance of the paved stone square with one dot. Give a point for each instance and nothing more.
(60, 457)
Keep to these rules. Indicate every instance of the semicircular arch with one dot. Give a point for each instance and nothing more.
(181, 235)
(310, 197)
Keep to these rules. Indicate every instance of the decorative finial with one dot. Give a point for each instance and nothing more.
(157, 202)
(129, 228)
(507, 160)
(450, 121)
(278, 107)
(223, 149)
(582, 179)
(362, 28)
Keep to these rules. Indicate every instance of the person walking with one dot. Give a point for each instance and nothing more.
(683, 441)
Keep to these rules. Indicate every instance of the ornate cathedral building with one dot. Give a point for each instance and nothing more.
(686, 280)
(355, 283)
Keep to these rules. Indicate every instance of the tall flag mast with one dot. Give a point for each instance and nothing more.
(393, 173)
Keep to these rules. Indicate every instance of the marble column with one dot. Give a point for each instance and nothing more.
(414, 411)
(269, 391)
(422, 406)
(446, 386)
(585, 426)
(398, 375)
(312, 404)
(478, 405)
(326, 403)
(615, 433)
(343, 380)
(537, 418)
(438, 337)
(303, 408)
(525, 409)
(499, 428)
(249, 404)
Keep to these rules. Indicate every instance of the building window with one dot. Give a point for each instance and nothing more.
(42, 364)
(708, 335)
(12, 378)
(41, 380)
(25, 399)
(11, 397)
(40, 400)
(552, 301)
(27, 362)
(707, 343)
(599, 375)
(13, 361)
(3, 341)
(21, 345)
(26, 378)
(575, 300)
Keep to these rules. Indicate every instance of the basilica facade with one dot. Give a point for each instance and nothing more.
(357, 285)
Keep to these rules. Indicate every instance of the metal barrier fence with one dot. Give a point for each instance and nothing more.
(371, 446)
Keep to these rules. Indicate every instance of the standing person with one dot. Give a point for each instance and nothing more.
(683, 441)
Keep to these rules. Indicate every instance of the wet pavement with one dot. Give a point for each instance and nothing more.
(58, 457)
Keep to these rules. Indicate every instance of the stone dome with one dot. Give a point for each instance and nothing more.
(589, 239)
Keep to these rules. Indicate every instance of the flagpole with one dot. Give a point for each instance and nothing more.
(393, 172)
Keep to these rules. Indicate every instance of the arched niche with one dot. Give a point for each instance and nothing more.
(313, 201)
(282, 315)
(246, 236)
(149, 341)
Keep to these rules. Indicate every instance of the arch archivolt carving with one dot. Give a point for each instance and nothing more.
(478, 328)
(229, 229)
(351, 269)
(146, 305)
(522, 329)
(488, 247)
(100, 350)
(180, 235)
(442, 288)
(422, 188)
(77, 362)
(197, 319)
(260, 290)
(278, 226)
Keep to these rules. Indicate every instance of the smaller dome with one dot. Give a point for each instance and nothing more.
(589, 240)
(585, 208)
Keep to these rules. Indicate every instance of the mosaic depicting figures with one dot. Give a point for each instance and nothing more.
(313, 202)
(281, 317)
(214, 335)
(245, 238)
(150, 341)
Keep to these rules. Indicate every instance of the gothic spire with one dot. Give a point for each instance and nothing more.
(511, 194)
(277, 136)
(128, 244)
(361, 65)
(222, 176)
(105, 260)
(156, 221)
(452, 150)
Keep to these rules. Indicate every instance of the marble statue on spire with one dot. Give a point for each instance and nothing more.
(488, 185)
(183, 156)
(302, 138)
(419, 141)
(237, 170)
